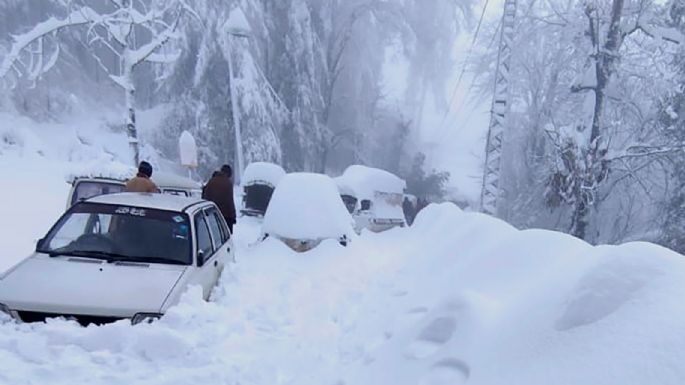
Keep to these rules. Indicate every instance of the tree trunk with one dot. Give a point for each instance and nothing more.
(605, 58)
(131, 129)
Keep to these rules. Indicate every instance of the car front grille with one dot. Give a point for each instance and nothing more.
(83, 320)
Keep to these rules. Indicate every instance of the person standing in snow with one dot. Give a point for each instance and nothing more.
(219, 190)
(142, 183)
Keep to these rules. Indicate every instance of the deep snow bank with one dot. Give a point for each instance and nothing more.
(457, 298)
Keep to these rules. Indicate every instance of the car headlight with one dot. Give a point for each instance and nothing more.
(147, 318)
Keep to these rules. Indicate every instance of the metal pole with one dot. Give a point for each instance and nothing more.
(236, 117)
(490, 192)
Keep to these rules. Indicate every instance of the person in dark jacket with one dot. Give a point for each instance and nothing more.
(219, 190)
(142, 183)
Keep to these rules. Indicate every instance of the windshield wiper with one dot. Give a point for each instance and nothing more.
(162, 260)
(103, 255)
(114, 257)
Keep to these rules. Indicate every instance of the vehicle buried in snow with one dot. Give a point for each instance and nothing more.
(119, 256)
(305, 210)
(259, 181)
(84, 187)
(373, 196)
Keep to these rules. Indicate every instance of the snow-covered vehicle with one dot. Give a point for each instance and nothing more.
(373, 196)
(119, 256)
(259, 181)
(84, 187)
(305, 210)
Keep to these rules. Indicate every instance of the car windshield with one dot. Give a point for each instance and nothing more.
(121, 233)
(89, 189)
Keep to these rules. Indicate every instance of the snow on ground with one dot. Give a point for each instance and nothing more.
(458, 298)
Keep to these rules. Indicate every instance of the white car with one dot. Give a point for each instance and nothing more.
(119, 256)
(373, 196)
(84, 187)
(305, 210)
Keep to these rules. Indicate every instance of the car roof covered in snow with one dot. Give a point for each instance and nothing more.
(152, 201)
(307, 206)
(162, 179)
(167, 179)
(365, 181)
(263, 172)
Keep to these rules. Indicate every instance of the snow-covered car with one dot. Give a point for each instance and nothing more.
(259, 181)
(84, 187)
(119, 256)
(373, 196)
(305, 210)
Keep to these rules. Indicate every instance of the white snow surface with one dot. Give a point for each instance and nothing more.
(308, 207)
(263, 172)
(458, 298)
(365, 181)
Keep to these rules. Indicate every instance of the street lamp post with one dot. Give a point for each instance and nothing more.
(236, 26)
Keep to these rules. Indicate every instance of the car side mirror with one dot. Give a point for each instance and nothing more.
(200, 258)
(40, 243)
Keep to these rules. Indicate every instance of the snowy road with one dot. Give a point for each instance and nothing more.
(459, 298)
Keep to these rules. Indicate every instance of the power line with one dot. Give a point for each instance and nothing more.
(466, 60)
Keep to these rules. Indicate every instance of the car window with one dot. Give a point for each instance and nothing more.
(365, 205)
(85, 190)
(169, 191)
(204, 241)
(215, 228)
(226, 232)
(121, 233)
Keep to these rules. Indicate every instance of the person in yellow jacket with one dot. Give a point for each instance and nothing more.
(142, 183)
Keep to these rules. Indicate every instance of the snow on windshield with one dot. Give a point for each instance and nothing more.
(307, 206)
(263, 172)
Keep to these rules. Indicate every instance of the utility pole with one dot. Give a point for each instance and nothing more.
(236, 26)
(490, 191)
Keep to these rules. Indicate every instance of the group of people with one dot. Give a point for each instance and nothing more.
(219, 189)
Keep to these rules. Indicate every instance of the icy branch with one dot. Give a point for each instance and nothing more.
(84, 15)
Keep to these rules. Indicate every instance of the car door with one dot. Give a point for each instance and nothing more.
(207, 268)
(221, 236)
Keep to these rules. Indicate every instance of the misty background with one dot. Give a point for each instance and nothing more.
(403, 85)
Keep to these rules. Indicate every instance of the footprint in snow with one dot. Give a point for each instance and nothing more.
(449, 371)
(433, 336)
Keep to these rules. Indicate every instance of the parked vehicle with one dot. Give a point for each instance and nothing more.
(306, 210)
(373, 196)
(259, 181)
(119, 256)
(85, 187)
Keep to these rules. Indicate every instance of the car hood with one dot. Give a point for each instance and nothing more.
(66, 285)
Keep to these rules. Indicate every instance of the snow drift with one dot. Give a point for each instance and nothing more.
(456, 298)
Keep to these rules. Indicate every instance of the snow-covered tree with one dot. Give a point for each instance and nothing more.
(586, 83)
(122, 34)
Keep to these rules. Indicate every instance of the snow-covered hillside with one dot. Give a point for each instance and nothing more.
(457, 298)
